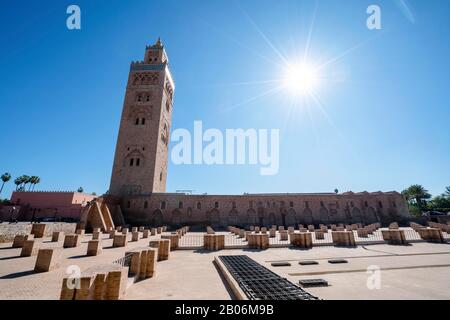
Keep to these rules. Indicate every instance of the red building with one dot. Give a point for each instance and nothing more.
(35, 205)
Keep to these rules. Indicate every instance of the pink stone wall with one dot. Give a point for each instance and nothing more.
(265, 209)
(50, 204)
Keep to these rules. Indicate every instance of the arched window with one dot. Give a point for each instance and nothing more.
(145, 204)
(291, 204)
(180, 205)
(163, 205)
(216, 205)
(131, 162)
(380, 204)
(234, 205)
(199, 205)
(137, 121)
(366, 204)
(138, 162)
(160, 176)
(143, 121)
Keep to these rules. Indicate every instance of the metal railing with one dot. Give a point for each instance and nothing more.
(232, 241)
(124, 261)
(191, 241)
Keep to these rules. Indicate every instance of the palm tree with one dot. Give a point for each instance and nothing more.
(25, 180)
(34, 181)
(5, 178)
(18, 182)
(418, 193)
(447, 192)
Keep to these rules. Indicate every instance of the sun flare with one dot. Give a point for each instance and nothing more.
(301, 79)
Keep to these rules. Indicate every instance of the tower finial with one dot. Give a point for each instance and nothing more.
(158, 43)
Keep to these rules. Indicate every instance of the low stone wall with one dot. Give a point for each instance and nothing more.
(9, 231)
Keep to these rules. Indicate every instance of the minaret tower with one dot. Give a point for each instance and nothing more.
(140, 162)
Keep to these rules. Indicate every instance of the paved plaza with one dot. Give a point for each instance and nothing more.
(418, 271)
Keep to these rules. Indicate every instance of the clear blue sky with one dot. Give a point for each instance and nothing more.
(383, 125)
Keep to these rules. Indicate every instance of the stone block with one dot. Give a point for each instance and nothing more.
(272, 233)
(120, 240)
(97, 235)
(80, 232)
(48, 260)
(20, 239)
(154, 231)
(57, 236)
(174, 240)
(302, 240)
(94, 248)
(163, 247)
(432, 235)
(29, 248)
(145, 234)
(343, 238)
(394, 236)
(319, 235)
(135, 236)
(38, 230)
(71, 241)
(112, 234)
(159, 230)
(258, 241)
(284, 235)
(393, 225)
(362, 233)
(214, 242)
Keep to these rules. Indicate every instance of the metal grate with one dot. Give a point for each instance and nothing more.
(259, 283)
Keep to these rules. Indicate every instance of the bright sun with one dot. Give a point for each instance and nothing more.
(301, 79)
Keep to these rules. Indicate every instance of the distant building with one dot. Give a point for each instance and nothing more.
(138, 182)
(35, 205)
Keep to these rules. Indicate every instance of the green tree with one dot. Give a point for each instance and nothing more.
(80, 190)
(447, 192)
(439, 203)
(5, 178)
(18, 182)
(418, 194)
(34, 180)
(24, 180)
